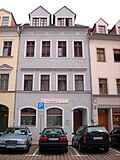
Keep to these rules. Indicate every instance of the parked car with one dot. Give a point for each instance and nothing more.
(89, 137)
(115, 137)
(53, 138)
(16, 138)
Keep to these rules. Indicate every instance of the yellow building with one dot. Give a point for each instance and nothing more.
(9, 41)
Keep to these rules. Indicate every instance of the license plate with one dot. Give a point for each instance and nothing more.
(53, 139)
(97, 138)
(10, 146)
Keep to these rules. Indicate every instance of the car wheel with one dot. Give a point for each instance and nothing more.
(106, 149)
(27, 150)
(73, 144)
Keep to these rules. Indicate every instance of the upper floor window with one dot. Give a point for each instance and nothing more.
(116, 55)
(61, 22)
(103, 86)
(77, 49)
(62, 49)
(43, 21)
(35, 22)
(45, 82)
(45, 48)
(4, 80)
(68, 21)
(28, 82)
(100, 54)
(7, 47)
(62, 83)
(102, 29)
(30, 48)
(118, 85)
(5, 21)
(28, 116)
(79, 83)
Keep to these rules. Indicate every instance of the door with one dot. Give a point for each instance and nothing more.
(77, 119)
(103, 117)
(3, 118)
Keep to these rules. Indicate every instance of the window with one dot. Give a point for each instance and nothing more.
(30, 48)
(28, 116)
(118, 85)
(62, 49)
(54, 117)
(62, 83)
(79, 83)
(43, 21)
(101, 29)
(103, 86)
(68, 21)
(5, 21)
(45, 82)
(35, 22)
(116, 55)
(7, 47)
(100, 54)
(116, 117)
(61, 22)
(77, 49)
(28, 82)
(4, 80)
(118, 30)
(45, 48)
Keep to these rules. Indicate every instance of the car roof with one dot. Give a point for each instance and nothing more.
(18, 127)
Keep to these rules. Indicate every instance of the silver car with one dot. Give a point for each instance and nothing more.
(16, 138)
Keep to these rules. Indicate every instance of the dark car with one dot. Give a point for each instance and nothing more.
(16, 138)
(115, 137)
(53, 138)
(89, 137)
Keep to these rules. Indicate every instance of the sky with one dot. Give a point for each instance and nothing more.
(88, 12)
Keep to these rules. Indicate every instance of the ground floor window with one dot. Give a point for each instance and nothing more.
(116, 117)
(28, 116)
(54, 117)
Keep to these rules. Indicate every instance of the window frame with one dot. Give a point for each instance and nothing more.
(62, 74)
(66, 49)
(32, 82)
(117, 53)
(3, 46)
(118, 86)
(4, 80)
(26, 48)
(102, 29)
(101, 53)
(77, 49)
(80, 82)
(103, 83)
(5, 22)
(45, 82)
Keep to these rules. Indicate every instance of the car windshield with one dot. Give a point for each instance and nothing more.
(98, 129)
(20, 131)
(53, 131)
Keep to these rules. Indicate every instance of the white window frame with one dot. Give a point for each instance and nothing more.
(82, 48)
(61, 73)
(62, 40)
(84, 78)
(6, 40)
(34, 49)
(41, 48)
(43, 73)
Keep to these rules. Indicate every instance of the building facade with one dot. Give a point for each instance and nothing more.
(53, 79)
(105, 72)
(9, 40)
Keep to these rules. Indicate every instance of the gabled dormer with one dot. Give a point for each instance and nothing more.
(116, 29)
(100, 27)
(6, 18)
(40, 17)
(64, 17)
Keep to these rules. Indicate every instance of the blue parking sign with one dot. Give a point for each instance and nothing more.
(40, 105)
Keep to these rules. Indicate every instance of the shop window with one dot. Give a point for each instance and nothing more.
(54, 117)
(28, 116)
(116, 117)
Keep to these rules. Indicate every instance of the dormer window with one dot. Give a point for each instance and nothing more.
(101, 29)
(43, 21)
(60, 21)
(119, 30)
(5, 21)
(35, 22)
(68, 21)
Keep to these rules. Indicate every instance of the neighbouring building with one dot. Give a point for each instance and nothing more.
(53, 78)
(105, 72)
(9, 40)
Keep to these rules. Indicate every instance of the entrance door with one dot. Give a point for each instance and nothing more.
(103, 117)
(77, 119)
(3, 118)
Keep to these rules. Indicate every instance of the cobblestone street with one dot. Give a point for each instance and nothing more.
(73, 154)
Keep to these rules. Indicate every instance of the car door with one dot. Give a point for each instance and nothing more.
(115, 136)
(78, 136)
